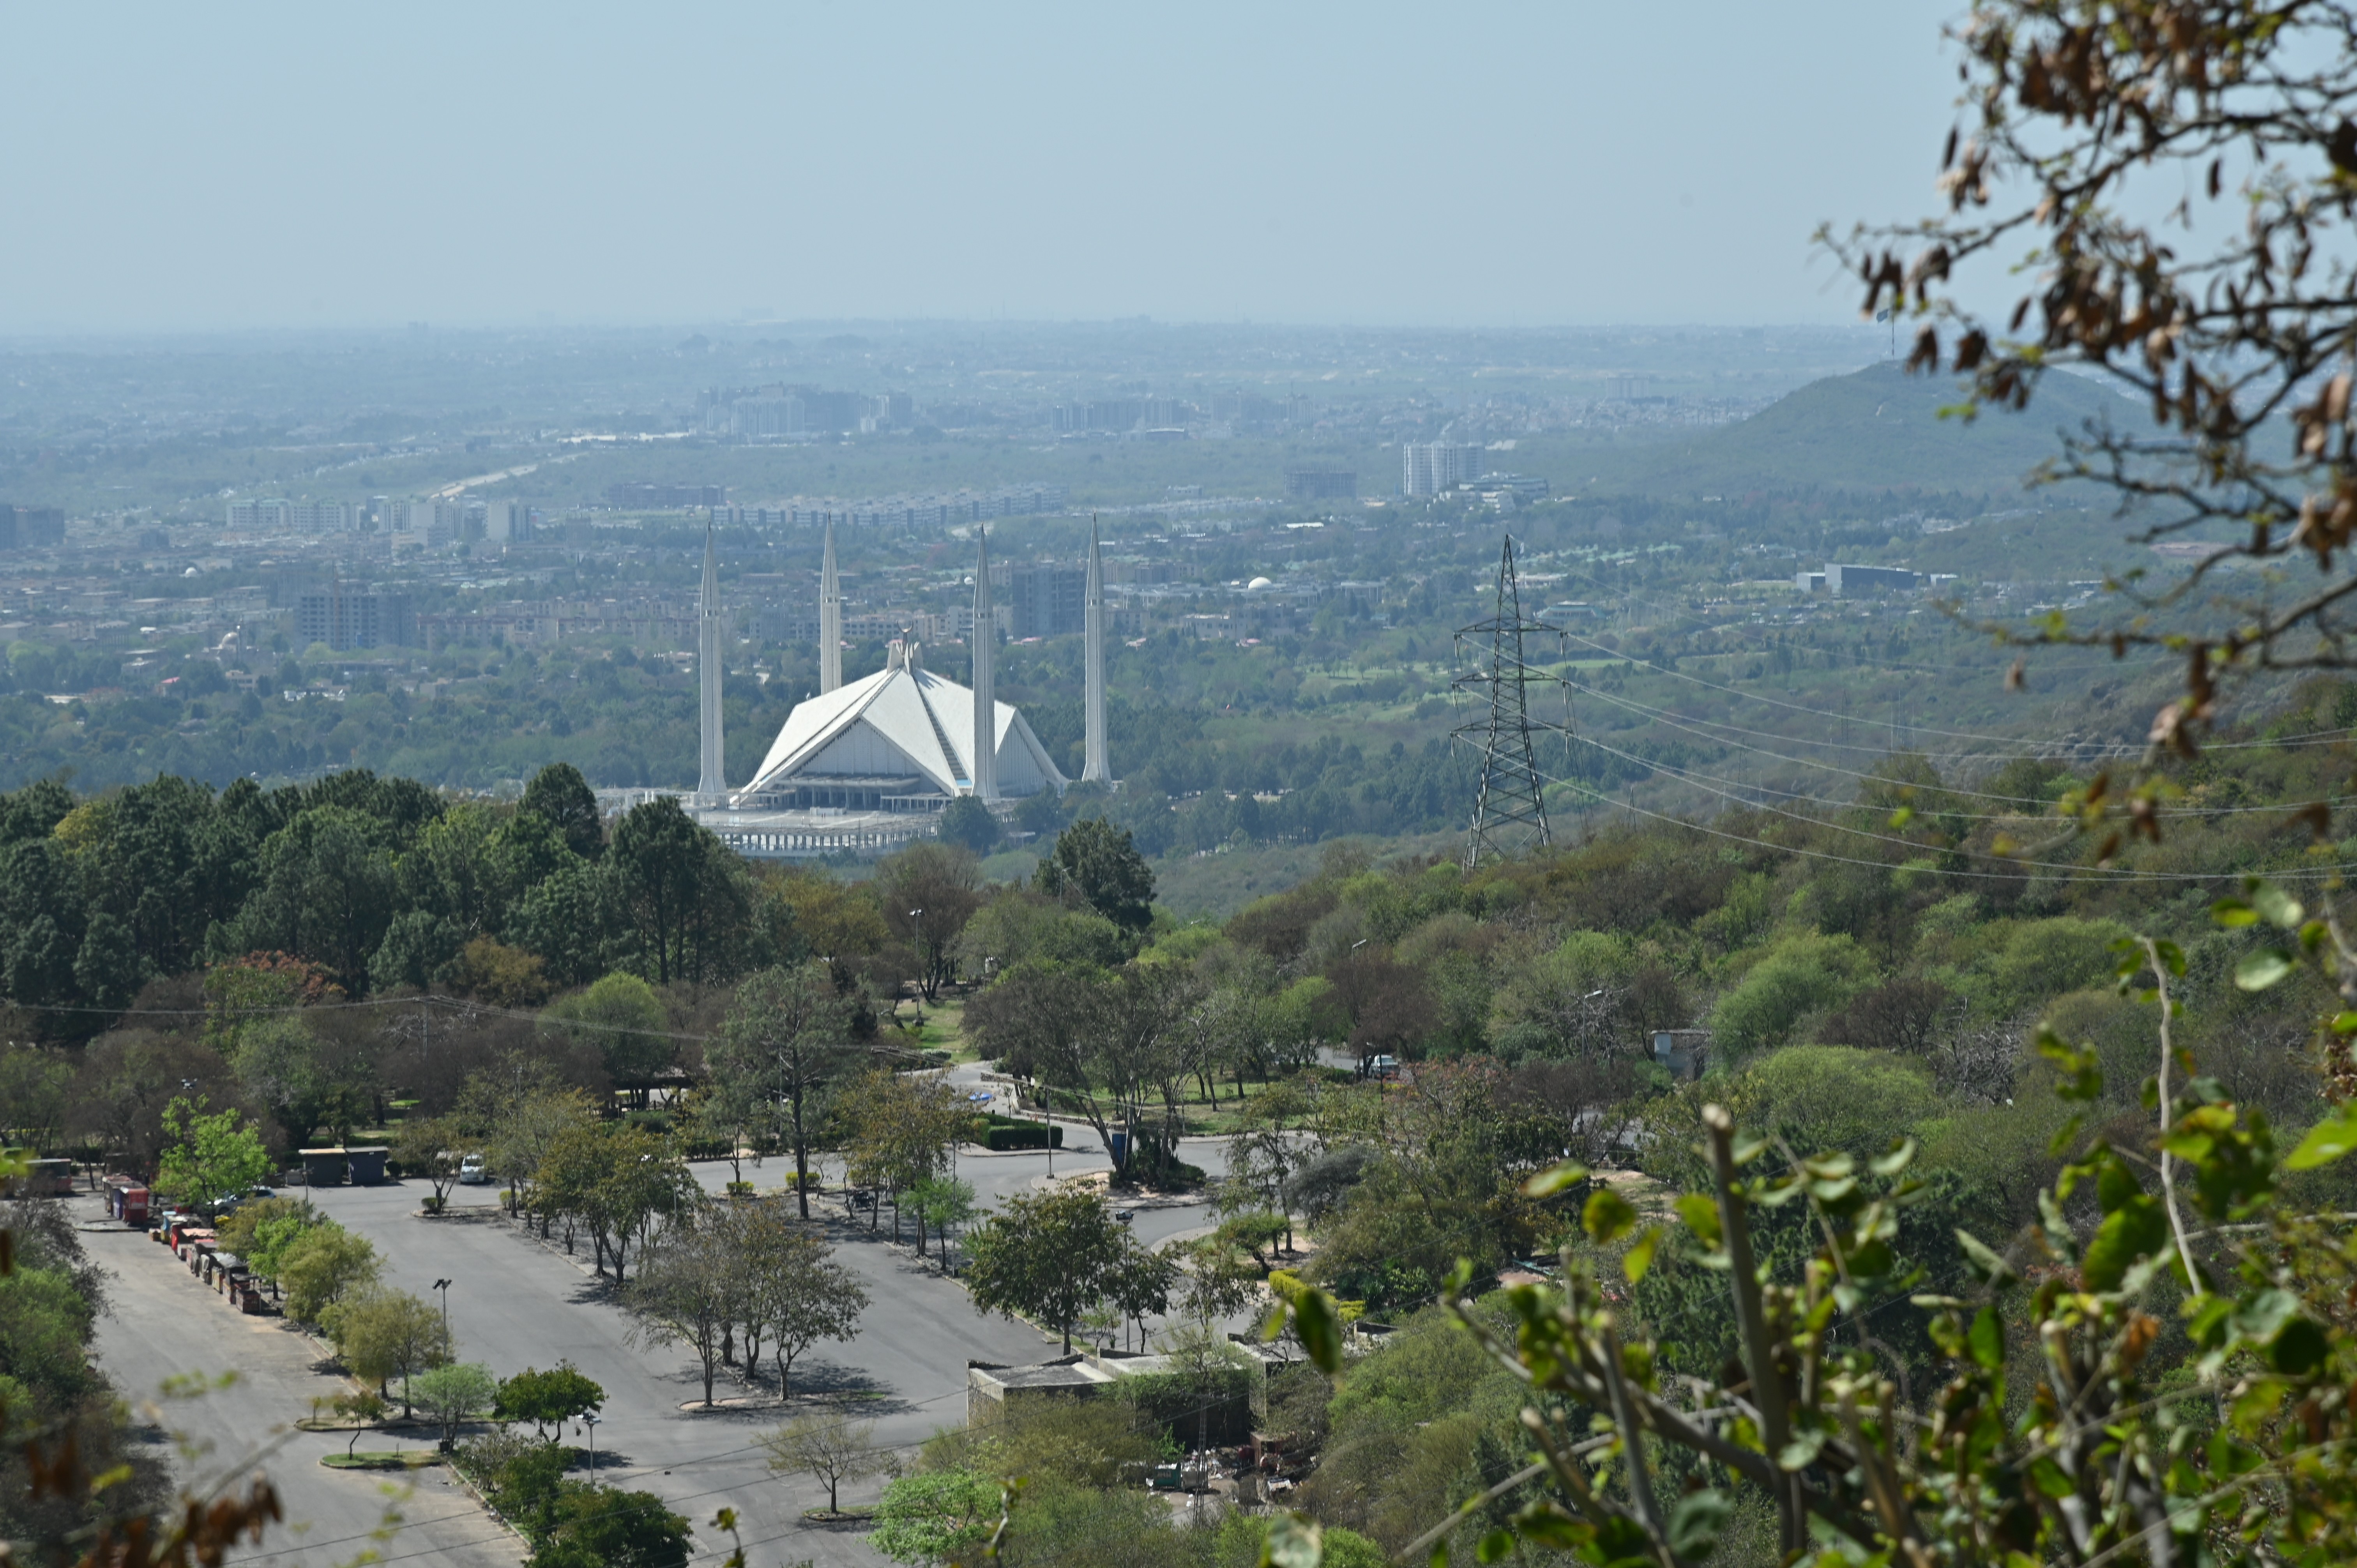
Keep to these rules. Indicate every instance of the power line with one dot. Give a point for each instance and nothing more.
(1509, 809)
(2081, 872)
(2123, 873)
(2105, 747)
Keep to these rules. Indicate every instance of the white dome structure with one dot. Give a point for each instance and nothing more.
(901, 739)
(1257, 584)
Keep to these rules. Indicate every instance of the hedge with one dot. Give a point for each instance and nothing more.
(1025, 1135)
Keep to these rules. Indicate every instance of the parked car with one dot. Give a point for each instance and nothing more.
(472, 1172)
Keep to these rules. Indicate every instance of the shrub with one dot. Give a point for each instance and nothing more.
(1023, 1135)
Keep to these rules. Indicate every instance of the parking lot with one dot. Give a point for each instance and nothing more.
(516, 1302)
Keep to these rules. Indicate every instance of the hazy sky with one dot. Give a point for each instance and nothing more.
(1577, 162)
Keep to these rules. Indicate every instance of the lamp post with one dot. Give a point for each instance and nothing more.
(589, 1425)
(918, 933)
(443, 1286)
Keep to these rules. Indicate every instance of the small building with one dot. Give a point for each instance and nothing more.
(992, 1387)
(1849, 580)
(1685, 1052)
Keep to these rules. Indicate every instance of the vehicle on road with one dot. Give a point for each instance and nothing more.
(472, 1172)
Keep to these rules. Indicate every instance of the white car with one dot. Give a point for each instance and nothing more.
(471, 1172)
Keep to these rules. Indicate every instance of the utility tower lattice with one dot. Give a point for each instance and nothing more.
(1510, 813)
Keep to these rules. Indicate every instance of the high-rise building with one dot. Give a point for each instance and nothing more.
(321, 517)
(1321, 483)
(506, 522)
(984, 767)
(1429, 468)
(1095, 768)
(713, 789)
(1049, 601)
(770, 416)
(31, 527)
(271, 512)
(637, 495)
(344, 618)
(434, 521)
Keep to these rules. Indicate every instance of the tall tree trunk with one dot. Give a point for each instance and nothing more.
(802, 1153)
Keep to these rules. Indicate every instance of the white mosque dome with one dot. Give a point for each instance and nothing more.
(903, 722)
(1257, 584)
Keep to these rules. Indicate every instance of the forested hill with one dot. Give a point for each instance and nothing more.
(1862, 973)
(1879, 428)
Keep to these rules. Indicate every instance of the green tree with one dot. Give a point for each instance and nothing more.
(453, 1393)
(966, 820)
(574, 920)
(327, 893)
(935, 1516)
(35, 1088)
(929, 891)
(592, 1527)
(784, 1040)
(560, 797)
(548, 1399)
(614, 1180)
(794, 1293)
(387, 1334)
(691, 1290)
(681, 892)
(324, 1264)
(1096, 863)
(622, 1019)
(208, 1159)
(434, 1147)
(1047, 1256)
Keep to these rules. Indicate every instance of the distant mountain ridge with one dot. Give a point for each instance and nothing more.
(1879, 428)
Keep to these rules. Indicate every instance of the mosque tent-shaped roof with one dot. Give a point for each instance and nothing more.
(903, 719)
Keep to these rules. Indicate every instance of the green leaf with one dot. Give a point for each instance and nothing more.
(1987, 1340)
(1901, 1155)
(1295, 1541)
(2260, 969)
(2272, 902)
(2300, 1348)
(1321, 1327)
(2233, 913)
(2130, 1233)
(1607, 1217)
(1548, 1525)
(1701, 1216)
(2325, 1142)
(1695, 1522)
(1554, 1178)
(1902, 817)
(2172, 956)
(1802, 1451)
(1639, 1256)
(1495, 1547)
(1986, 1266)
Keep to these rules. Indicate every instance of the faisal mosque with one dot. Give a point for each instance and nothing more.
(868, 764)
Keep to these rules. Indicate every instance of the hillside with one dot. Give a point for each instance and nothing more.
(1876, 428)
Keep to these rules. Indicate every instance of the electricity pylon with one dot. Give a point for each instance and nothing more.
(1510, 813)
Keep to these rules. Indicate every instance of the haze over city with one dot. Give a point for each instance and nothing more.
(1298, 785)
(284, 166)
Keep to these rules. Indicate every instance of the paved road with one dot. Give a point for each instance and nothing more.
(165, 1326)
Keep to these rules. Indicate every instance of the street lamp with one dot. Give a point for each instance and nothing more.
(919, 932)
(443, 1286)
(589, 1425)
